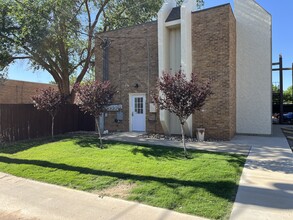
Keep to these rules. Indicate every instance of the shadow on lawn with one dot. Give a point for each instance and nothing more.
(89, 141)
(157, 152)
(161, 152)
(17, 147)
(12, 148)
(170, 153)
(147, 150)
(221, 189)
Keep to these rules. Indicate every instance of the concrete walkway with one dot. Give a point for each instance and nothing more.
(22, 199)
(265, 191)
(225, 147)
(266, 185)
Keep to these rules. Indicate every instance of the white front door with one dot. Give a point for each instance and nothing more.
(137, 113)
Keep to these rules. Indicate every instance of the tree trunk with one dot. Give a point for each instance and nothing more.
(64, 88)
(183, 139)
(52, 126)
(98, 127)
(72, 96)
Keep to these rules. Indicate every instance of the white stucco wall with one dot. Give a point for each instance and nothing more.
(163, 52)
(175, 51)
(253, 72)
(175, 62)
(186, 49)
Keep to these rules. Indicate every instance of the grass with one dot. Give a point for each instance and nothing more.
(204, 185)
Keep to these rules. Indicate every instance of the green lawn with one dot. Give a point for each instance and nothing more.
(160, 176)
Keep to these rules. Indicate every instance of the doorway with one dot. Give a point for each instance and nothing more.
(137, 112)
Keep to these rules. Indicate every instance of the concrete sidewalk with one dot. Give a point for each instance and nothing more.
(24, 199)
(266, 186)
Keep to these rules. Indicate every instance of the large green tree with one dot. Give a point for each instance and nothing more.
(121, 13)
(2, 77)
(275, 95)
(58, 35)
(288, 98)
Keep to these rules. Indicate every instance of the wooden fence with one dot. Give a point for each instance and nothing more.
(23, 121)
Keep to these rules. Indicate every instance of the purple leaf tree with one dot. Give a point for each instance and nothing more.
(49, 100)
(93, 98)
(181, 96)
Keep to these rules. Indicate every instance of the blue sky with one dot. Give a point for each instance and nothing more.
(282, 16)
(281, 12)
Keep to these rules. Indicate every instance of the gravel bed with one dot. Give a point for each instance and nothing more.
(169, 138)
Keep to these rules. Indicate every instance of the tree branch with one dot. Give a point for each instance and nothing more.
(78, 64)
(90, 37)
(98, 14)
(88, 14)
(22, 58)
(63, 51)
(38, 59)
(77, 11)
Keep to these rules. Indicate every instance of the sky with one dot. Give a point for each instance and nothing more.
(282, 42)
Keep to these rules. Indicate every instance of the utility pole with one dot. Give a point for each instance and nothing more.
(281, 69)
(105, 47)
(281, 89)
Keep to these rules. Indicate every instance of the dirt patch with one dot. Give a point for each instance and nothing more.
(121, 190)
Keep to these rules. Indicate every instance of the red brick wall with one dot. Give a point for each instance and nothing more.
(20, 92)
(214, 56)
(133, 59)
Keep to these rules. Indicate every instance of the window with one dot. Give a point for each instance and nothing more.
(138, 105)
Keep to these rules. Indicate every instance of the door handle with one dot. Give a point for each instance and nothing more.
(132, 114)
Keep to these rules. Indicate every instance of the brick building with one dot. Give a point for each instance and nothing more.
(20, 92)
(209, 42)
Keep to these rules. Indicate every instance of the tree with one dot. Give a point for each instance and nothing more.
(287, 95)
(275, 89)
(49, 100)
(181, 96)
(288, 99)
(276, 94)
(3, 77)
(93, 98)
(49, 34)
(89, 77)
(58, 36)
(123, 13)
